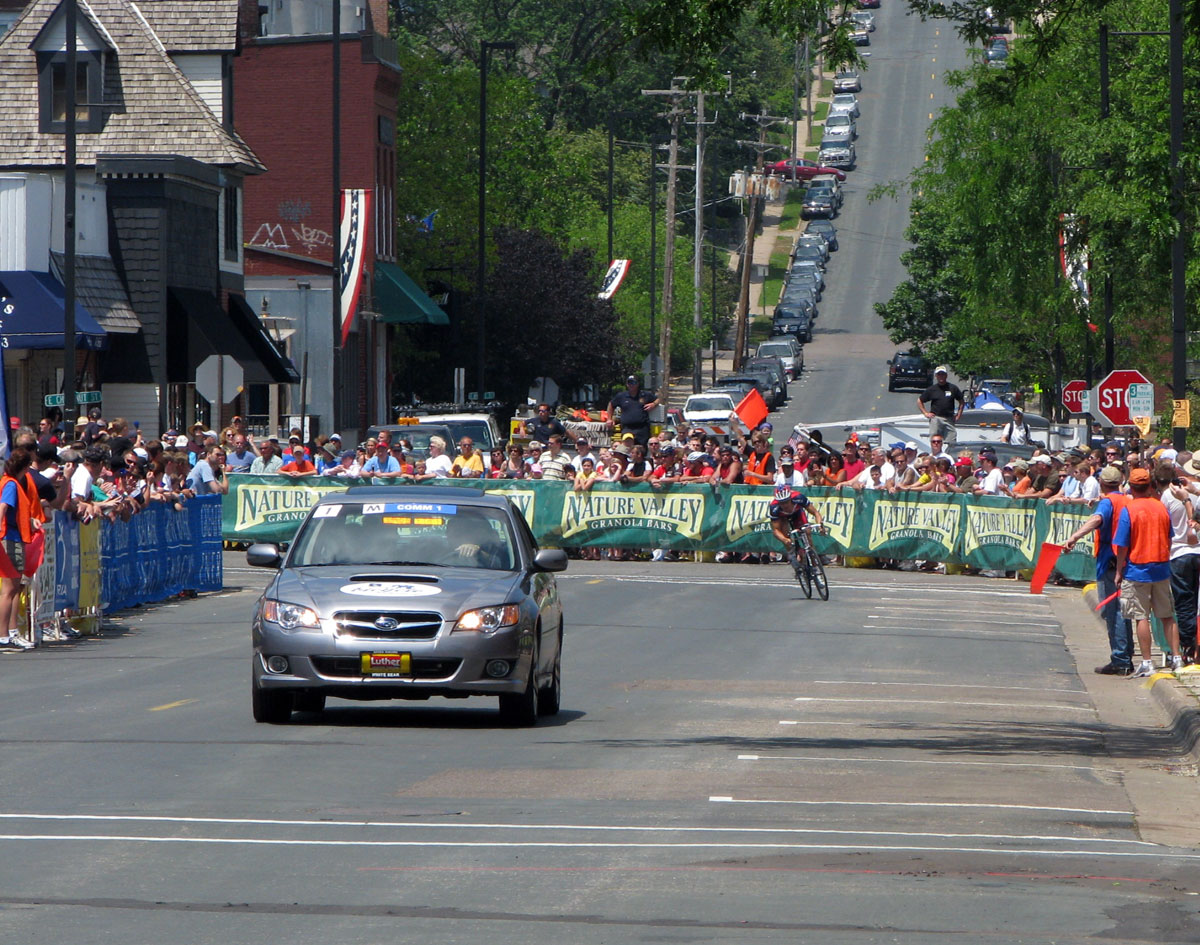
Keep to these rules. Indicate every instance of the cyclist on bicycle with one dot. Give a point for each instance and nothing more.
(789, 511)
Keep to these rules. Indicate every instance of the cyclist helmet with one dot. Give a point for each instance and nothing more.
(783, 493)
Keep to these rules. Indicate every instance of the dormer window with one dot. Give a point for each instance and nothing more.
(52, 92)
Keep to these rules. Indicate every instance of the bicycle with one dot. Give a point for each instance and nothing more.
(810, 572)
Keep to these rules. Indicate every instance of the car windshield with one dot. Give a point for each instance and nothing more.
(414, 534)
(479, 432)
(708, 404)
(837, 118)
(776, 351)
(845, 98)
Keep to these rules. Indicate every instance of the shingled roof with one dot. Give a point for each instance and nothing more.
(193, 25)
(151, 107)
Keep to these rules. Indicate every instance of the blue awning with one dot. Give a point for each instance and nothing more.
(33, 313)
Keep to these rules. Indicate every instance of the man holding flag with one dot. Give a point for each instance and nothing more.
(1103, 523)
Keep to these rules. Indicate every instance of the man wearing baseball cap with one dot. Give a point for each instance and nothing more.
(1143, 544)
(938, 404)
(1103, 522)
(635, 410)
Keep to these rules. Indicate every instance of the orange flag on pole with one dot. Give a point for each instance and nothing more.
(752, 410)
(1045, 566)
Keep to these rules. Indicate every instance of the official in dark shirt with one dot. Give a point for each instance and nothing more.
(942, 405)
(544, 425)
(635, 410)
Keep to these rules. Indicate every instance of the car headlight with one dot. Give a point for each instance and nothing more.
(290, 616)
(489, 619)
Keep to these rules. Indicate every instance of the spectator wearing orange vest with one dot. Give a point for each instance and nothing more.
(1143, 545)
(758, 468)
(1103, 523)
(21, 519)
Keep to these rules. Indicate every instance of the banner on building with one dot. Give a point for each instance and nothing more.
(982, 531)
(352, 250)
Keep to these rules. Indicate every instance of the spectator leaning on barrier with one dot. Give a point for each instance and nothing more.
(554, 461)
(468, 464)
(268, 460)
(296, 465)
(381, 464)
(992, 480)
(758, 465)
(208, 475)
(1143, 544)
(240, 458)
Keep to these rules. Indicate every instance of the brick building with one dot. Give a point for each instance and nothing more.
(286, 57)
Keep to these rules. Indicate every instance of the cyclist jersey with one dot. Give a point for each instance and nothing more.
(798, 516)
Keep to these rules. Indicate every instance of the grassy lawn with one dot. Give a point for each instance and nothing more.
(826, 85)
(777, 269)
(760, 330)
(790, 218)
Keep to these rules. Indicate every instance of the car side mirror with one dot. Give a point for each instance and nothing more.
(263, 555)
(550, 559)
(889, 362)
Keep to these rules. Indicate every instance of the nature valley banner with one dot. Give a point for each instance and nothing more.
(915, 525)
(986, 532)
(1078, 564)
(1000, 533)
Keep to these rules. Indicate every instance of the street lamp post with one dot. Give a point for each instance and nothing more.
(485, 46)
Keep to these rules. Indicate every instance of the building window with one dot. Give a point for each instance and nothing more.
(231, 229)
(52, 93)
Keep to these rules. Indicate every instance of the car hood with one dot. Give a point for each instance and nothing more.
(449, 591)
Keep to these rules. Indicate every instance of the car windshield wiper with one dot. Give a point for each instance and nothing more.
(417, 564)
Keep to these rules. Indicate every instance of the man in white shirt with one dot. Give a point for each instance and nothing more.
(1016, 431)
(937, 448)
(584, 451)
(1079, 485)
(992, 482)
(1185, 557)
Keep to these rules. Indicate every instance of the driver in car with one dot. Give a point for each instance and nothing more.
(472, 542)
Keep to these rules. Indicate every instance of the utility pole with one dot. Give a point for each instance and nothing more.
(674, 115)
(698, 256)
(752, 185)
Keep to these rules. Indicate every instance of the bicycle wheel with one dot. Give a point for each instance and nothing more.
(818, 574)
(804, 576)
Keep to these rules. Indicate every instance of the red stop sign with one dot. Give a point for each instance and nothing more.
(1112, 396)
(1072, 396)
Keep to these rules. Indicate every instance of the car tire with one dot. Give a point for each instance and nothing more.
(270, 706)
(550, 696)
(520, 709)
(891, 388)
(309, 700)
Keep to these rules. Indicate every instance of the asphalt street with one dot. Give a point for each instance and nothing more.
(916, 760)
(919, 760)
(846, 363)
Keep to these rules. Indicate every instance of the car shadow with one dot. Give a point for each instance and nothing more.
(342, 715)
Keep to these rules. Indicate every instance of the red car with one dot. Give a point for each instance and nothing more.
(803, 169)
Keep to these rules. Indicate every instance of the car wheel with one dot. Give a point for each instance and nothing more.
(891, 388)
(550, 696)
(310, 700)
(272, 706)
(521, 709)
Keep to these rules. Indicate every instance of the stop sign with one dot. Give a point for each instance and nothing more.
(1112, 396)
(1072, 396)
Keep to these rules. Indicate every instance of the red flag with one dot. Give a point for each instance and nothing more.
(1115, 594)
(1045, 565)
(752, 410)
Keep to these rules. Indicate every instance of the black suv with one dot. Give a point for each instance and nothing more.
(909, 370)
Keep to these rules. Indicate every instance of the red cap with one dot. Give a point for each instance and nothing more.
(14, 422)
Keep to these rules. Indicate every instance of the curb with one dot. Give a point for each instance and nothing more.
(1181, 710)
(1177, 703)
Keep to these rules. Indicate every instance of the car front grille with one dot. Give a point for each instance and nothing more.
(388, 625)
(351, 667)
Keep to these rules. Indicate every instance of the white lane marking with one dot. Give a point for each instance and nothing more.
(592, 845)
(992, 705)
(820, 722)
(965, 631)
(682, 580)
(918, 621)
(912, 685)
(920, 761)
(583, 828)
(937, 805)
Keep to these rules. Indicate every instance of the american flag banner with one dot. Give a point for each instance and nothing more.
(356, 210)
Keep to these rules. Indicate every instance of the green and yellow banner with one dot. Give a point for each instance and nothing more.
(985, 532)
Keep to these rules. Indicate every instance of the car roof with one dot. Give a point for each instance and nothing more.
(465, 496)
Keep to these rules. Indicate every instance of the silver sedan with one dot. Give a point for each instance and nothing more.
(407, 593)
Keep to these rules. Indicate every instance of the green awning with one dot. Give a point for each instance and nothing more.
(400, 301)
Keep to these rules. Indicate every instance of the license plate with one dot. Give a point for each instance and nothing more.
(386, 664)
